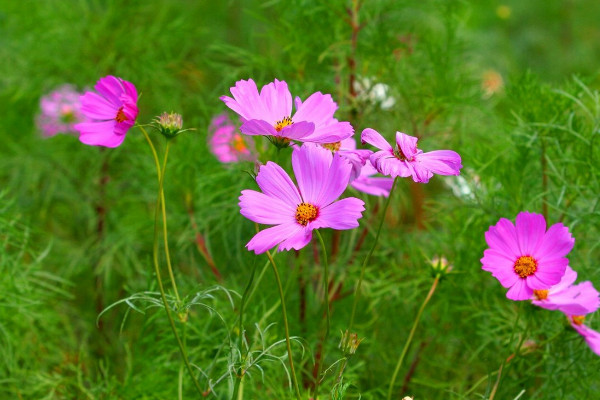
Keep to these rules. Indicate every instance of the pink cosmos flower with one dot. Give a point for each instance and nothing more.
(297, 210)
(270, 113)
(405, 159)
(226, 143)
(60, 111)
(592, 337)
(525, 257)
(112, 112)
(375, 186)
(580, 299)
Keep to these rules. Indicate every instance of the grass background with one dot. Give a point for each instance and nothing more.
(62, 260)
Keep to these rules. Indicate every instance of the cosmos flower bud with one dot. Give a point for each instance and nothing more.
(169, 124)
(440, 265)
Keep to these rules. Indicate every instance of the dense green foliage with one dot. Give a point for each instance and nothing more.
(76, 221)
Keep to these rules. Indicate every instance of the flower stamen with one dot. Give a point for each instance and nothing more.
(578, 319)
(399, 154)
(279, 125)
(121, 115)
(306, 213)
(541, 294)
(525, 266)
(332, 146)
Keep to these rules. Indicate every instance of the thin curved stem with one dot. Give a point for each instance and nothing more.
(159, 197)
(287, 329)
(411, 335)
(327, 323)
(164, 218)
(368, 257)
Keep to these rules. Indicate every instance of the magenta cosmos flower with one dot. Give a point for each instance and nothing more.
(571, 299)
(270, 113)
(295, 211)
(60, 111)
(525, 257)
(592, 337)
(405, 159)
(226, 143)
(111, 111)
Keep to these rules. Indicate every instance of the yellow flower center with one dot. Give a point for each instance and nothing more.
(332, 146)
(279, 125)
(525, 266)
(306, 213)
(541, 294)
(121, 115)
(578, 319)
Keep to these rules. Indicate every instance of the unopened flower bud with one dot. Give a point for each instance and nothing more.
(440, 265)
(169, 124)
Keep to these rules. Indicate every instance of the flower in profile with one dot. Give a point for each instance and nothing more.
(60, 111)
(405, 159)
(592, 337)
(269, 113)
(112, 112)
(525, 257)
(226, 143)
(373, 185)
(571, 299)
(296, 210)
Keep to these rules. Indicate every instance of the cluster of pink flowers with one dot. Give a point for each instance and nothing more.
(60, 111)
(325, 163)
(531, 261)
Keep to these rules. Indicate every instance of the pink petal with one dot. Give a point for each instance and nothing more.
(441, 162)
(500, 267)
(110, 88)
(530, 228)
(502, 237)
(373, 137)
(99, 134)
(297, 131)
(592, 338)
(246, 101)
(342, 214)
(258, 127)
(387, 164)
(263, 209)
(408, 145)
(332, 133)
(298, 240)
(311, 168)
(373, 186)
(270, 237)
(318, 108)
(557, 242)
(567, 280)
(277, 101)
(275, 182)
(519, 291)
(96, 107)
(335, 182)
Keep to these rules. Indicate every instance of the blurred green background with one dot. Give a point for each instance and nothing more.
(509, 85)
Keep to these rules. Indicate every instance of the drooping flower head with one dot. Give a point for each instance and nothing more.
(226, 143)
(592, 337)
(60, 111)
(580, 299)
(269, 113)
(296, 210)
(112, 112)
(405, 159)
(525, 257)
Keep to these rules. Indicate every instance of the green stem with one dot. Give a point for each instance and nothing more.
(368, 257)
(512, 336)
(410, 336)
(159, 197)
(326, 289)
(285, 324)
